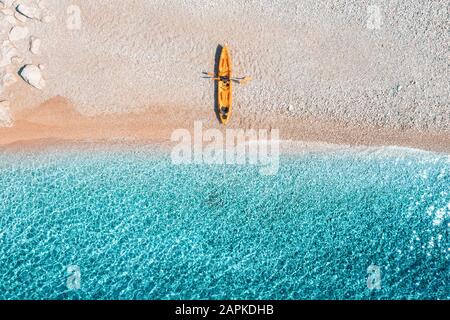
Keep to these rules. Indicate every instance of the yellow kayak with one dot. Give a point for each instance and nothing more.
(224, 86)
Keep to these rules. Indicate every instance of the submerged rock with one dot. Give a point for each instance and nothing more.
(33, 76)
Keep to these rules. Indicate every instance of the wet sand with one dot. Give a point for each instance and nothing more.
(57, 121)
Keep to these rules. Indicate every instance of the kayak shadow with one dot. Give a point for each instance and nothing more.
(216, 83)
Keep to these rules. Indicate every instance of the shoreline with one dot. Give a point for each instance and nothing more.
(56, 121)
(287, 147)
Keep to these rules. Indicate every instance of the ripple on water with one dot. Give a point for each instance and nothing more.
(140, 228)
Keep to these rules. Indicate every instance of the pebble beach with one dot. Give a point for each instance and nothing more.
(357, 73)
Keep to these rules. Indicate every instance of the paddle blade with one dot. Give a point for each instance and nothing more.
(245, 80)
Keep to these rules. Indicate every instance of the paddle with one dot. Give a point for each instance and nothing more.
(239, 80)
(242, 80)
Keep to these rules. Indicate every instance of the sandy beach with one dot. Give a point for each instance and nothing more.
(354, 74)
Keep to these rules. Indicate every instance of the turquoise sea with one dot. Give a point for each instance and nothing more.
(138, 227)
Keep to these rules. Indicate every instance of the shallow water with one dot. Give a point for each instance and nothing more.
(140, 228)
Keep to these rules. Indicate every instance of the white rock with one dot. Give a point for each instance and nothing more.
(35, 45)
(18, 33)
(20, 17)
(11, 20)
(7, 3)
(9, 79)
(33, 76)
(8, 51)
(29, 12)
(5, 114)
(41, 67)
(5, 23)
